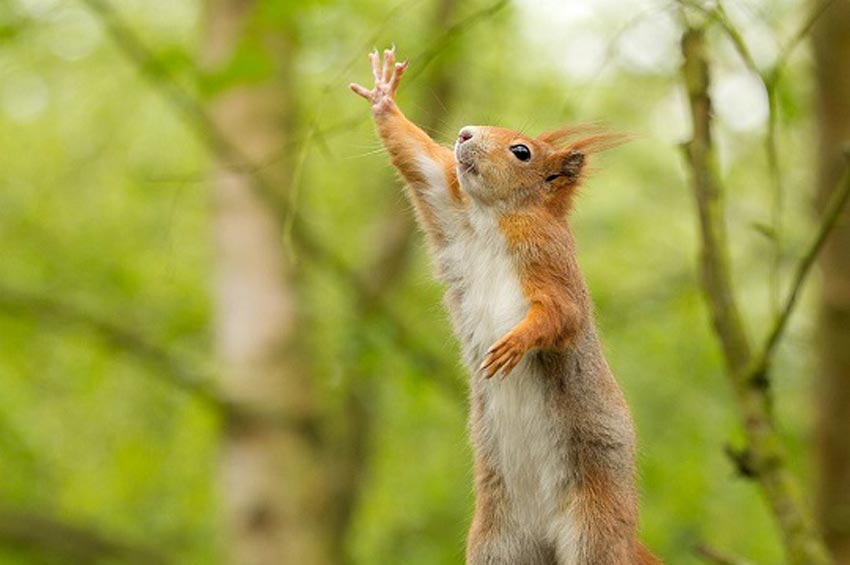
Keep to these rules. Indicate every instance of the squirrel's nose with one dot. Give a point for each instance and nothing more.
(465, 134)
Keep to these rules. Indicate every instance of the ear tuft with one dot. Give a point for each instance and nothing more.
(572, 165)
(560, 137)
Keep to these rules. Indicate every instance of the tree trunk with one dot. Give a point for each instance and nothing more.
(832, 54)
(272, 487)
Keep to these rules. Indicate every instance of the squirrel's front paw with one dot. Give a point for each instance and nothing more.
(504, 354)
(387, 77)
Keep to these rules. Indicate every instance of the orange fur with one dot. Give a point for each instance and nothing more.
(486, 185)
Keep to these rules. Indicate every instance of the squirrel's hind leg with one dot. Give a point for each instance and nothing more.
(495, 538)
(596, 528)
(508, 548)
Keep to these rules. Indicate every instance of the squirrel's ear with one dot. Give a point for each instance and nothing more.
(572, 165)
(569, 165)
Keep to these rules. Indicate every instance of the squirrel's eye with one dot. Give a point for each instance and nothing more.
(521, 152)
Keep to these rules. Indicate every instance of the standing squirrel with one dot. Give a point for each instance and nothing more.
(553, 439)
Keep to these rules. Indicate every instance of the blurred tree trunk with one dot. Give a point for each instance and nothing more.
(272, 487)
(832, 54)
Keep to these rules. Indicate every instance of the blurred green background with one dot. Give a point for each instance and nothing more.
(111, 285)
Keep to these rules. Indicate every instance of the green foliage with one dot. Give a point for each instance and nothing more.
(103, 204)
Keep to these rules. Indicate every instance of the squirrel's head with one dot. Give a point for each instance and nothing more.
(500, 167)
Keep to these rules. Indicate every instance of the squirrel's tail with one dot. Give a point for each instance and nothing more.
(644, 557)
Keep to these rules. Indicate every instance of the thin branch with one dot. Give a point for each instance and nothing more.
(817, 11)
(426, 57)
(165, 364)
(715, 262)
(70, 542)
(718, 14)
(369, 43)
(769, 79)
(736, 37)
(213, 138)
(832, 213)
(766, 460)
(778, 205)
(159, 76)
(589, 90)
(315, 131)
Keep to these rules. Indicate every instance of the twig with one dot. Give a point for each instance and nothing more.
(766, 457)
(801, 34)
(778, 205)
(165, 364)
(720, 16)
(715, 262)
(72, 543)
(425, 58)
(769, 79)
(832, 213)
(588, 89)
(769, 82)
(314, 130)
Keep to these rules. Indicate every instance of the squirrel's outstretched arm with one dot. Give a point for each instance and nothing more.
(427, 167)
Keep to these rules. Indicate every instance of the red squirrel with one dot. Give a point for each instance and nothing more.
(552, 435)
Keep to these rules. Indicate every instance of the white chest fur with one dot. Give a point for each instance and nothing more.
(492, 301)
(524, 443)
(519, 434)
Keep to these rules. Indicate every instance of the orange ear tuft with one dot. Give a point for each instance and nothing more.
(599, 140)
(559, 137)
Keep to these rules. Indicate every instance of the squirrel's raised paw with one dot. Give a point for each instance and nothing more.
(387, 76)
(504, 354)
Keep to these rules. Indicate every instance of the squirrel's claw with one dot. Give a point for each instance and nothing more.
(361, 90)
(503, 355)
(387, 74)
(398, 70)
(376, 67)
(389, 63)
